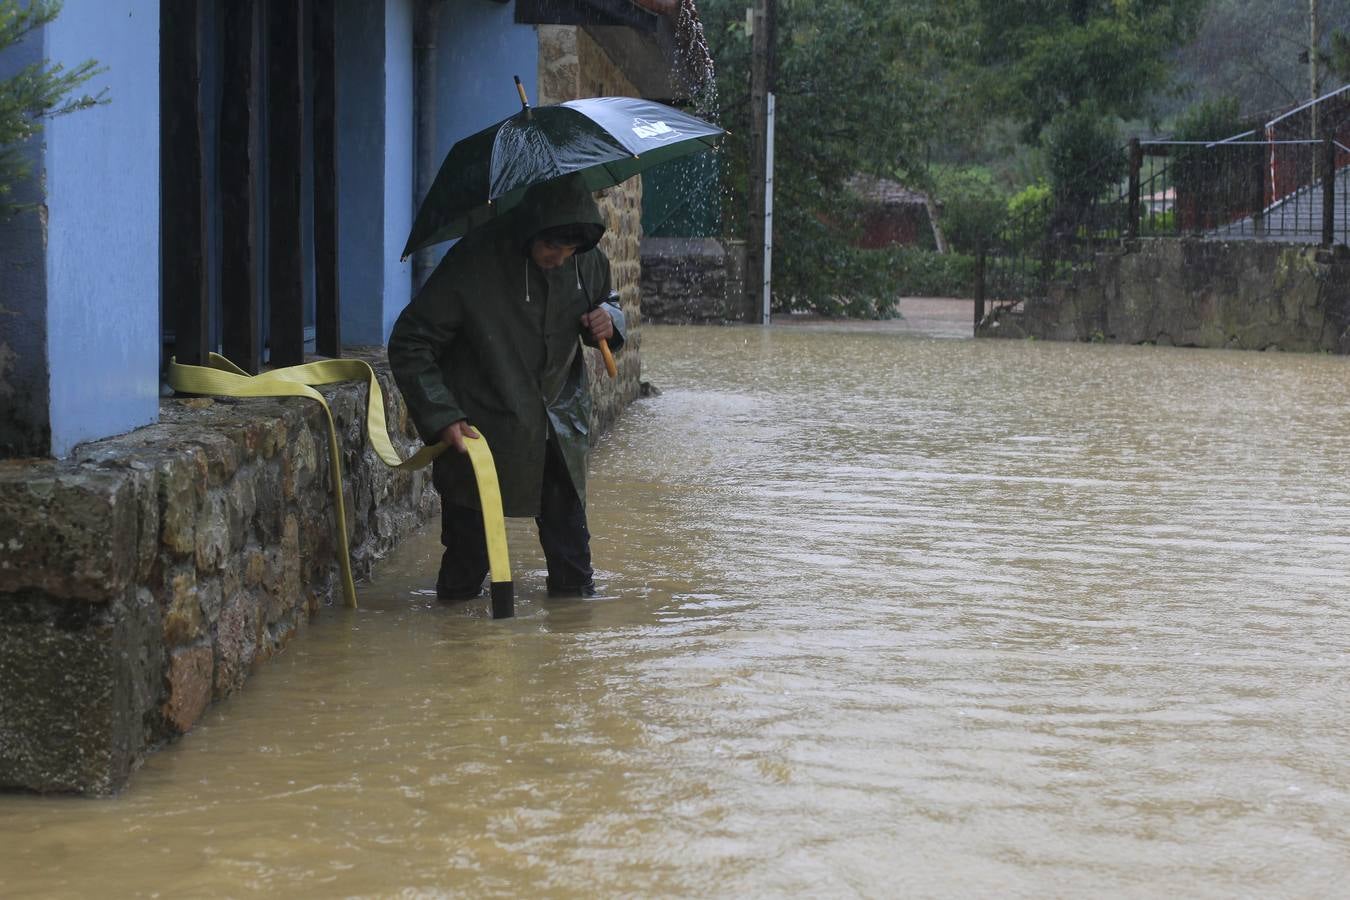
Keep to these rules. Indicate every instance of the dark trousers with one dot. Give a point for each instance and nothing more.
(562, 533)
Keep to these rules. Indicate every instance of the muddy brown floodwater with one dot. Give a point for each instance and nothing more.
(883, 615)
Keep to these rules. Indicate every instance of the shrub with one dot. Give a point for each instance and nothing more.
(870, 281)
(1212, 120)
(922, 273)
(1085, 158)
(1029, 215)
(973, 207)
(1215, 184)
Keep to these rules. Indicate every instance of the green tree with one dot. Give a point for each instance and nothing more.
(1065, 74)
(36, 92)
(1084, 157)
(853, 95)
(1038, 59)
(1258, 50)
(974, 205)
(1338, 57)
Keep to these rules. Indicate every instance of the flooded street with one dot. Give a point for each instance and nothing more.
(883, 615)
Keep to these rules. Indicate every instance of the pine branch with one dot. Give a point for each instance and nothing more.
(37, 92)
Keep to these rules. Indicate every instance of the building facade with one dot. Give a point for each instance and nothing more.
(247, 189)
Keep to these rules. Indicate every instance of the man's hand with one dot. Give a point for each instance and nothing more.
(597, 325)
(455, 434)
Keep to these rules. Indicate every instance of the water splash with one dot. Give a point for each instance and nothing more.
(695, 74)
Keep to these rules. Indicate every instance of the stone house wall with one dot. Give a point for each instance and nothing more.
(1240, 295)
(148, 574)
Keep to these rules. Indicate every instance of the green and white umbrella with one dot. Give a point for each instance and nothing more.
(605, 140)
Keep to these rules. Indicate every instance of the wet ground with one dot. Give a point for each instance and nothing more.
(882, 615)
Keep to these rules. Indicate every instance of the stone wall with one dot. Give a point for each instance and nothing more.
(571, 66)
(1240, 295)
(145, 576)
(692, 281)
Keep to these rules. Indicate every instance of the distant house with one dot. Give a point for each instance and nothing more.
(1160, 201)
(893, 215)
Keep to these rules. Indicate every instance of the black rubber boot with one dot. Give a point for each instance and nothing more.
(563, 590)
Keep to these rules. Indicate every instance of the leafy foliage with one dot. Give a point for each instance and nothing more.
(923, 273)
(1029, 213)
(36, 92)
(1257, 50)
(1338, 57)
(969, 100)
(1213, 120)
(973, 205)
(1205, 176)
(1042, 58)
(853, 96)
(1084, 156)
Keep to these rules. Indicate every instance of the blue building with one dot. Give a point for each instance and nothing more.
(249, 185)
(247, 189)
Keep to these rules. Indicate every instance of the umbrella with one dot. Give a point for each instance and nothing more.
(604, 139)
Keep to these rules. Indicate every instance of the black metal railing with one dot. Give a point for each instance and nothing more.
(242, 271)
(1290, 190)
(1293, 190)
(1047, 242)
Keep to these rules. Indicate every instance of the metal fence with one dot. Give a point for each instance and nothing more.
(1047, 242)
(1248, 188)
(1289, 190)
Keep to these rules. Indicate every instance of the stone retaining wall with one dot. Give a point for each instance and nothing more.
(692, 281)
(1240, 295)
(149, 574)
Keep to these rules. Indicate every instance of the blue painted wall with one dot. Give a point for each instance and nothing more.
(24, 420)
(360, 151)
(103, 228)
(375, 160)
(480, 50)
(399, 156)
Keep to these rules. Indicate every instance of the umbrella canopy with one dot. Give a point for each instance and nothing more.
(606, 140)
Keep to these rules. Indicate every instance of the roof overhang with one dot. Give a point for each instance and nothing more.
(641, 43)
(612, 13)
(646, 58)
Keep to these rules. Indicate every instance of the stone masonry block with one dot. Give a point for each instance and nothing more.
(179, 497)
(189, 679)
(213, 532)
(68, 532)
(76, 683)
(182, 607)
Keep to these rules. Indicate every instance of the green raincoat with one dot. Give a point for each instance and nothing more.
(494, 339)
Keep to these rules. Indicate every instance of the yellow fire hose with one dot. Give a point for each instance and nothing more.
(224, 378)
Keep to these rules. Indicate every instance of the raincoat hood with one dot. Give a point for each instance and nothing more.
(563, 201)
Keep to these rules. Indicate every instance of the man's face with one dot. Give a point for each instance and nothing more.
(550, 254)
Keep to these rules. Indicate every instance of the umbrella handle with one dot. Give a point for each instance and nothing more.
(610, 367)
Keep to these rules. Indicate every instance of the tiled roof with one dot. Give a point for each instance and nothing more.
(884, 191)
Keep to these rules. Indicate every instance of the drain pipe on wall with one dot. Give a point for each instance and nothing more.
(426, 27)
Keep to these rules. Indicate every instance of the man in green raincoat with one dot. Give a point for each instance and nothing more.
(492, 343)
